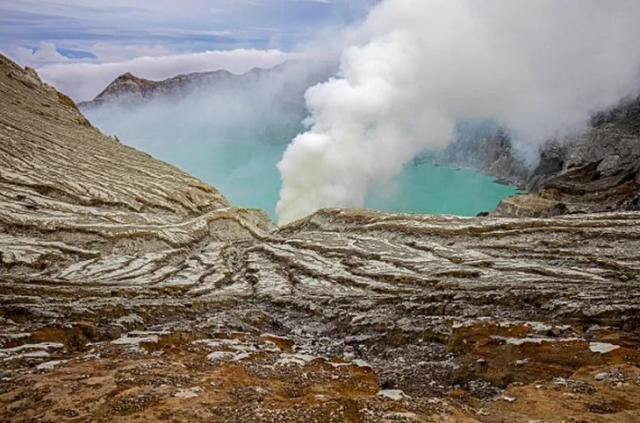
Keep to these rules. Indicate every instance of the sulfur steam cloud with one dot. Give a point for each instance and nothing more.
(538, 67)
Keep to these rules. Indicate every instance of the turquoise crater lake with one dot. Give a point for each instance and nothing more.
(245, 172)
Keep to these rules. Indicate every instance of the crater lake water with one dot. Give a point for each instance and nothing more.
(245, 172)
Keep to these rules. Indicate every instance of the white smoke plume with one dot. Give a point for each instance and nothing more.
(538, 67)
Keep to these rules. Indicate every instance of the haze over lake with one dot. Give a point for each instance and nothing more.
(244, 170)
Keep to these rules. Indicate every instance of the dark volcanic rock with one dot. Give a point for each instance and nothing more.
(485, 147)
(130, 87)
(593, 172)
(596, 170)
(129, 90)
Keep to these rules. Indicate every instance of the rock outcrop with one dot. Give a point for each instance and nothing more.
(128, 90)
(598, 170)
(131, 291)
(485, 147)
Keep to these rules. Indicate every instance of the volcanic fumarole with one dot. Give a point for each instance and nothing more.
(539, 68)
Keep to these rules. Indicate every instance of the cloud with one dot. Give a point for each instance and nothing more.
(83, 81)
(45, 53)
(189, 25)
(82, 45)
(538, 67)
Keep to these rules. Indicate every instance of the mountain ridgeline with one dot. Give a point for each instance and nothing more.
(291, 76)
(265, 104)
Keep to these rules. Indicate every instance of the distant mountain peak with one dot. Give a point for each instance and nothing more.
(127, 75)
(127, 85)
(131, 90)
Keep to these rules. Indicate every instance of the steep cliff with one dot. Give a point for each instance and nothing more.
(486, 147)
(598, 170)
(591, 171)
(130, 291)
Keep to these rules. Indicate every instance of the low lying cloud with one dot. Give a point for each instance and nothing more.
(82, 45)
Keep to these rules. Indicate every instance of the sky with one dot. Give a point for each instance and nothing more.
(81, 45)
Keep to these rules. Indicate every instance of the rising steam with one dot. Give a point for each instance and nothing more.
(538, 67)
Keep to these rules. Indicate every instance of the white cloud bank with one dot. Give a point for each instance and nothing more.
(539, 67)
(83, 81)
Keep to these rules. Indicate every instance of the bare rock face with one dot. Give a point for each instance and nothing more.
(486, 148)
(596, 171)
(130, 90)
(130, 291)
(127, 87)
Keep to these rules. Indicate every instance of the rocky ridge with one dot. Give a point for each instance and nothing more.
(131, 91)
(129, 290)
(596, 170)
(485, 147)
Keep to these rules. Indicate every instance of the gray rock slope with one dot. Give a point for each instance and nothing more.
(595, 171)
(485, 147)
